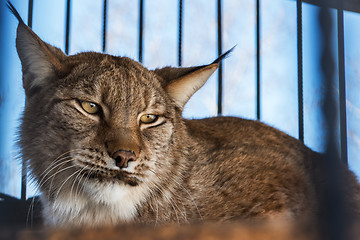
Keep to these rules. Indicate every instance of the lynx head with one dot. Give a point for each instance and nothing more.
(98, 127)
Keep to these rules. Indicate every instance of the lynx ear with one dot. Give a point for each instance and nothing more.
(40, 61)
(181, 89)
(182, 83)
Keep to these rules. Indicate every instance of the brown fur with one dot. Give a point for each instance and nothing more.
(218, 169)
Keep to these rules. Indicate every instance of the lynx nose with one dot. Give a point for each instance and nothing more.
(122, 157)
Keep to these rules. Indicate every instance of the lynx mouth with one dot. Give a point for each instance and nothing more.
(119, 176)
(102, 174)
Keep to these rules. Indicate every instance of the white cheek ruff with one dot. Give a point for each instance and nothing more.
(101, 204)
(120, 198)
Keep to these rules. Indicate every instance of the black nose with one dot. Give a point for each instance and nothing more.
(122, 157)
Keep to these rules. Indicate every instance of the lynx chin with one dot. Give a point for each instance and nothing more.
(105, 141)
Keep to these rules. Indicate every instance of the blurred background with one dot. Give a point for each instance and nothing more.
(278, 68)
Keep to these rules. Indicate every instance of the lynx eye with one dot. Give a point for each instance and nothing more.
(90, 107)
(148, 118)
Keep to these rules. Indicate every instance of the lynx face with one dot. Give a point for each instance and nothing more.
(108, 128)
(106, 123)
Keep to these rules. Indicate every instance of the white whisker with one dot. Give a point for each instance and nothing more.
(86, 179)
(59, 158)
(53, 176)
(62, 185)
(77, 176)
(56, 166)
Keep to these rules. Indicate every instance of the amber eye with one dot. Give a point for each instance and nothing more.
(90, 107)
(148, 118)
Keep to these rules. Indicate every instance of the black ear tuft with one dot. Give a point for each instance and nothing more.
(224, 55)
(15, 12)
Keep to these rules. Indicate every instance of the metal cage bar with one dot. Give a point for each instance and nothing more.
(30, 13)
(342, 87)
(104, 26)
(180, 29)
(347, 5)
(23, 167)
(333, 219)
(141, 26)
(67, 26)
(219, 41)
(300, 70)
(258, 99)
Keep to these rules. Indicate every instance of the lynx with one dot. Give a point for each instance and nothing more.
(106, 143)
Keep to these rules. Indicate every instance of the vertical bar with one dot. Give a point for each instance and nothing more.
(141, 20)
(67, 27)
(219, 37)
(342, 87)
(180, 33)
(333, 215)
(258, 60)
(23, 167)
(30, 13)
(104, 26)
(300, 70)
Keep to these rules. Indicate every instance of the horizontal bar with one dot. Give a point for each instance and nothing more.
(6, 197)
(347, 5)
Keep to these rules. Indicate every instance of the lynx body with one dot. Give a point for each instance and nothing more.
(106, 143)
